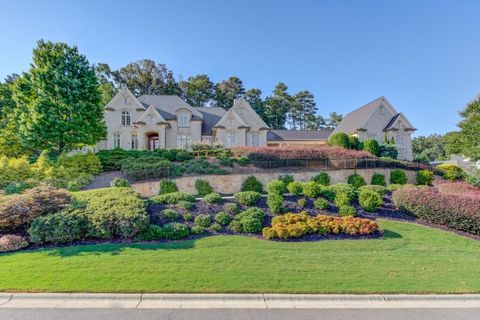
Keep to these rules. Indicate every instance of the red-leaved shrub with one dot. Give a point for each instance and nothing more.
(461, 188)
(450, 210)
(296, 153)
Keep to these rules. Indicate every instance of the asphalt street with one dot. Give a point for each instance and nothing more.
(239, 314)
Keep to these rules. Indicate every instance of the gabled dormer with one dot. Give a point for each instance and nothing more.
(124, 99)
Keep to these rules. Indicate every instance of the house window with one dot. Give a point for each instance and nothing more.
(382, 109)
(125, 100)
(400, 140)
(183, 119)
(231, 140)
(255, 139)
(125, 118)
(134, 141)
(116, 140)
(183, 140)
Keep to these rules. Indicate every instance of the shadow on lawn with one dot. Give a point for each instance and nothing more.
(116, 248)
(391, 234)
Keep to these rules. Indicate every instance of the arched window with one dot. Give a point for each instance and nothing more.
(116, 140)
(125, 118)
(183, 119)
(134, 141)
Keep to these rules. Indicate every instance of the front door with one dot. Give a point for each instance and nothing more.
(152, 141)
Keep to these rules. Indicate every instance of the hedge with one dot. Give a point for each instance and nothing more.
(295, 153)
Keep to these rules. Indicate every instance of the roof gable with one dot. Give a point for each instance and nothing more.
(124, 92)
(399, 117)
(150, 110)
(248, 115)
(229, 115)
(167, 105)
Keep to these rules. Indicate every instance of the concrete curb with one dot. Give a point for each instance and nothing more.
(233, 301)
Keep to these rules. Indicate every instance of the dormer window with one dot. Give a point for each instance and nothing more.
(125, 118)
(183, 119)
(125, 100)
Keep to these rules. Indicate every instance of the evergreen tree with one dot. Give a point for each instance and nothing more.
(227, 91)
(60, 100)
(334, 119)
(469, 136)
(198, 91)
(254, 98)
(303, 107)
(277, 106)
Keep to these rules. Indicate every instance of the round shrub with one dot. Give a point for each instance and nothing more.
(328, 192)
(378, 189)
(231, 208)
(378, 179)
(286, 179)
(203, 187)
(372, 146)
(120, 183)
(295, 188)
(185, 205)
(213, 198)
(369, 200)
(175, 231)
(248, 221)
(151, 233)
(197, 230)
(347, 210)
(339, 139)
(203, 220)
(167, 186)
(322, 178)
(424, 177)
(274, 202)
(173, 198)
(223, 218)
(355, 143)
(247, 198)
(276, 187)
(183, 156)
(344, 188)
(169, 154)
(251, 183)
(321, 204)
(302, 202)
(170, 215)
(187, 216)
(451, 171)
(311, 189)
(398, 176)
(342, 199)
(215, 227)
(356, 180)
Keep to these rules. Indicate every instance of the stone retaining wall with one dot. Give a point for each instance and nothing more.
(228, 184)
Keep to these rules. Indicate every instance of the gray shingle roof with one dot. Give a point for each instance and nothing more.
(211, 116)
(391, 122)
(167, 105)
(357, 118)
(299, 135)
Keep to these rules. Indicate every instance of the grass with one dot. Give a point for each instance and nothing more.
(408, 259)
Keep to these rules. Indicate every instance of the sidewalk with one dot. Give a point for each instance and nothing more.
(233, 301)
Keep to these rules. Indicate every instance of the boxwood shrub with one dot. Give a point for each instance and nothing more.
(322, 178)
(203, 187)
(276, 187)
(151, 233)
(398, 176)
(170, 215)
(247, 198)
(424, 177)
(203, 220)
(295, 188)
(167, 186)
(175, 231)
(248, 221)
(381, 190)
(231, 208)
(321, 204)
(251, 183)
(173, 198)
(274, 202)
(223, 218)
(356, 180)
(451, 171)
(369, 200)
(378, 179)
(213, 198)
(347, 210)
(311, 189)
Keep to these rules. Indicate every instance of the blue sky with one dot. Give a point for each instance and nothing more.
(424, 56)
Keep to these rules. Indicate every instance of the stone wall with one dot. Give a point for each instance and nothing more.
(228, 184)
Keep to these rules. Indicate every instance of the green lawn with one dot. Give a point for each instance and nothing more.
(410, 258)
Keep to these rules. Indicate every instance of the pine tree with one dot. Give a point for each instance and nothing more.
(277, 107)
(227, 91)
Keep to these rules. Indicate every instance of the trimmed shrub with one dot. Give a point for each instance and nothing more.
(252, 184)
(18, 211)
(248, 221)
(461, 188)
(167, 186)
(213, 198)
(111, 160)
(274, 202)
(170, 215)
(183, 156)
(231, 208)
(199, 166)
(173, 198)
(302, 202)
(295, 188)
(453, 211)
(451, 171)
(381, 190)
(372, 146)
(185, 205)
(197, 230)
(12, 242)
(342, 199)
(113, 212)
(321, 204)
(322, 178)
(203, 187)
(343, 188)
(424, 177)
(223, 218)
(355, 143)
(226, 162)
(276, 187)
(119, 183)
(175, 231)
(247, 198)
(187, 216)
(347, 210)
(243, 161)
(293, 225)
(356, 180)
(378, 179)
(339, 139)
(328, 192)
(398, 177)
(311, 189)
(286, 179)
(151, 233)
(297, 152)
(388, 151)
(215, 227)
(87, 163)
(203, 220)
(369, 200)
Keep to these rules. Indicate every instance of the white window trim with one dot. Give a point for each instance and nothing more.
(117, 141)
(125, 118)
(134, 141)
(229, 142)
(183, 119)
(257, 135)
(183, 140)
